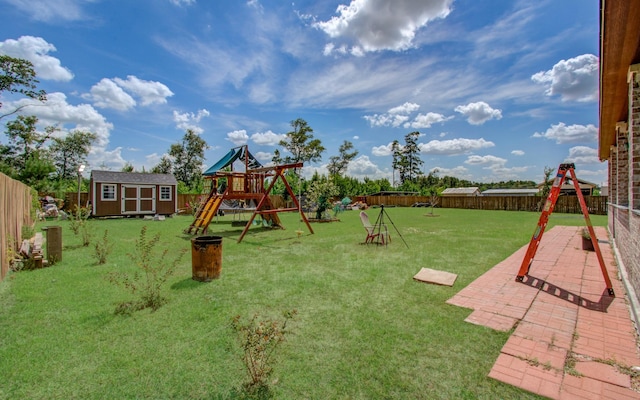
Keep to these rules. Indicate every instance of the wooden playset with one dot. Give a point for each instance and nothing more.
(251, 186)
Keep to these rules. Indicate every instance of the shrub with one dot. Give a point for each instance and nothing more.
(146, 283)
(259, 339)
(79, 219)
(86, 234)
(103, 248)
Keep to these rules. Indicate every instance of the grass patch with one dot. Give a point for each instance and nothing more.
(364, 329)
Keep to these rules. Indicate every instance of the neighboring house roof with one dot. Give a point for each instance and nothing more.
(133, 177)
(619, 48)
(568, 185)
(509, 192)
(460, 191)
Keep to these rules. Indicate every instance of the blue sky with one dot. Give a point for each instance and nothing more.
(498, 89)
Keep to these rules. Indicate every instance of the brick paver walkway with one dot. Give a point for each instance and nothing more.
(571, 339)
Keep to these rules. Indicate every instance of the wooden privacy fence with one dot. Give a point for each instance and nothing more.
(597, 205)
(15, 212)
(71, 198)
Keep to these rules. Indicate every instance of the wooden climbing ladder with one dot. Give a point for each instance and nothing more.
(550, 203)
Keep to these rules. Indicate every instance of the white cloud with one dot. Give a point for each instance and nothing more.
(496, 167)
(374, 25)
(36, 49)
(51, 10)
(153, 159)
(263, 157)
(267, 138)
(238, 138)
(426, 120)
(583, 155)
(112, 93)
(182, 2)
(57, 111)
(386, 120)
(400, 116)
(478, 113)
(454, 146)
(362, 167)
(485, 160)
(67, 117)
(394, 117)
(459, 172)
(517, 152)
(382, 151)
(106, 94)
(101, 158)
(405, 109)
(575, 79)
(149, 92)
(189, 120)
(562, 133)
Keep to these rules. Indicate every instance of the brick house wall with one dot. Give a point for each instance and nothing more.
(624, 183)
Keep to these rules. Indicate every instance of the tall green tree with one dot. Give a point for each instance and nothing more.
(188, 159)
(23, 141)
(165, 166)
(301, 144)
(128, 167)
(399, 162)
(411, 153)
(338, 164)
(71, 151)
(19, 76)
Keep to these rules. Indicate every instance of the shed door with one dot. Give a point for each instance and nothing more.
(138, 199)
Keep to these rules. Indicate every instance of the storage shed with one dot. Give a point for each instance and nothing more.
(132, 193)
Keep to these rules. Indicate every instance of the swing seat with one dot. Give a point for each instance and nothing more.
(375, 233)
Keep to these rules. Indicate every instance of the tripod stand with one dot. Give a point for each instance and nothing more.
(377, 227)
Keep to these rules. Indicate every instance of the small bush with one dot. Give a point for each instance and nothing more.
(154, 270)
(103, 248)
(87, 235)
(79, 219)
(259, 340)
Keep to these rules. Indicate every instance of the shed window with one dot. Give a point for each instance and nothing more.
(108, 192)
(165, 193)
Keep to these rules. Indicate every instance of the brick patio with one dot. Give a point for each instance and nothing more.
(571, 339)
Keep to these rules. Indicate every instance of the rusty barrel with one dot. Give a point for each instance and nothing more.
(206, 258)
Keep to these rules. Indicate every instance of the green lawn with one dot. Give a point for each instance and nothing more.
(364, 329)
